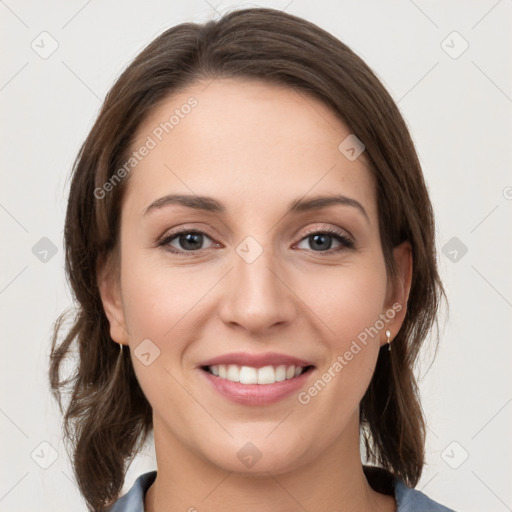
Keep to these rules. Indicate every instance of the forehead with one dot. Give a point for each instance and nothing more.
(247, 143)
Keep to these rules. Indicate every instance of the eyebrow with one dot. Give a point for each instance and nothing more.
(210, 204)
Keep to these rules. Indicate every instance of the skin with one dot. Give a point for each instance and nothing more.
(255, 148)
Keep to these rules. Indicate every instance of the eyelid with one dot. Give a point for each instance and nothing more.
(178, 230)
(329, 229)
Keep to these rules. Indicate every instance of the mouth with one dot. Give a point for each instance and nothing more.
(264, 375)
(256, 379)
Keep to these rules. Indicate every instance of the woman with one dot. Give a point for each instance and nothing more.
(251, 245)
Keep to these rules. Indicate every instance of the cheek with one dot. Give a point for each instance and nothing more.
(157, 295)
(152, 302)
(161, 304)
(349, 302)
(347, 299)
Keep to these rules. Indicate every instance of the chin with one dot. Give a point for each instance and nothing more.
(259, 456)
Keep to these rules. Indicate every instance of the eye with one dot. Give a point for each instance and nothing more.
(186, 241)
(322, 241)
(192, 241)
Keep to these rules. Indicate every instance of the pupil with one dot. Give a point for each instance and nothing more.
(187, 241)
(318, 239)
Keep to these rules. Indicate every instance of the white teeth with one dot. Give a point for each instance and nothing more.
(233, 373)
(266, 375)
(280, 373)
(250, 375)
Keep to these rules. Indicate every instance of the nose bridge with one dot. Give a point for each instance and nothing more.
(257, 298)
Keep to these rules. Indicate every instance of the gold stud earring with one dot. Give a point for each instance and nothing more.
(388, 334)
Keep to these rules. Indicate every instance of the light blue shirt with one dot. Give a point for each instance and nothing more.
(407, 499)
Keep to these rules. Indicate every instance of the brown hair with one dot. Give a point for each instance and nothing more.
(108, 418)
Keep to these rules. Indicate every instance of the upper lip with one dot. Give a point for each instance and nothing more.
(256, 360)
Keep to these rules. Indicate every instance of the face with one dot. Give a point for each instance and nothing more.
(249, 277)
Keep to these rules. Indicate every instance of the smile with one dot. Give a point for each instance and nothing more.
(256, 379)
(251, 375)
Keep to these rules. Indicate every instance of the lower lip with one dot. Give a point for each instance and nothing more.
(256, 394)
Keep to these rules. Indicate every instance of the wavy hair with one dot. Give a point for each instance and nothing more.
(107, 418)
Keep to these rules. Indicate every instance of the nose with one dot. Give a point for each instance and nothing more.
(257, 297)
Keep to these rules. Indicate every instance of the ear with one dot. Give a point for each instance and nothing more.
(110, 292)
(398, 290)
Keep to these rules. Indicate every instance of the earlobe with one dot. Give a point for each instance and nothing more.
(110, 293)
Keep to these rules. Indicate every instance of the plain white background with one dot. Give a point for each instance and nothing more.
(457, 102)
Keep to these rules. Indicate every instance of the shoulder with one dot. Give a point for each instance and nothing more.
(412, 500)
(133, 500)
(407, 498)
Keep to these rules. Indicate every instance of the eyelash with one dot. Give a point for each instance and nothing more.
(346, 243)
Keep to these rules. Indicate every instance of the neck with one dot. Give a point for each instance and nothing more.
(335, 481)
